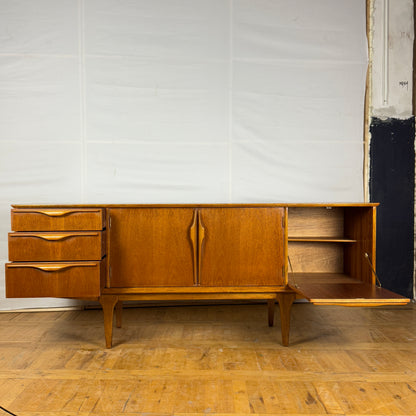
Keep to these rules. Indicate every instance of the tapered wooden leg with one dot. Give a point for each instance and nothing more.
(285, 304)
(108, 302)
(270, 308)
(119, 313)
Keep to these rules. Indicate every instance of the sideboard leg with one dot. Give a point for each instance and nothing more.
(108, 302)
(119, 313)
(285, 300)
(270, 308)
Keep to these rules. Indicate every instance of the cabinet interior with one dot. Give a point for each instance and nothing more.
(330, 243)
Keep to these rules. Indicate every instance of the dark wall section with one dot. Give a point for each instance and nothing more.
(392, 183)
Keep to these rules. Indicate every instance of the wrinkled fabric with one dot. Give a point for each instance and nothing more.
(179, 101)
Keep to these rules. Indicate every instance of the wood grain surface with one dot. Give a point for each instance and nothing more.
(242, 246)
(220, 360)
(151, 247)
(58, 219)
(57, 246)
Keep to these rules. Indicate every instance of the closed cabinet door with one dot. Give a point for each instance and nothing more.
(241, 246)
(152, 247)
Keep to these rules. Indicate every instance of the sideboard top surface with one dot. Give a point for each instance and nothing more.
(222, 205)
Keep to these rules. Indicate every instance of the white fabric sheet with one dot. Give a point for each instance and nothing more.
(141, 101)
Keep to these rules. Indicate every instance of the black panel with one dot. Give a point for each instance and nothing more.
(392, 183)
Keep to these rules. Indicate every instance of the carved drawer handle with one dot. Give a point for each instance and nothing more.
(54, 237)
(56, 213)
(51, 267)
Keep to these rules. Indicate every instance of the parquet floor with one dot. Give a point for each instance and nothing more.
(210, 360)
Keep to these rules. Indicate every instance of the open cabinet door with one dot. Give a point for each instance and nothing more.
(342, 290)
(331, 255)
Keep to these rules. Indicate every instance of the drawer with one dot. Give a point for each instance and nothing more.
(48, 219)
(60, 280)
(56, 246)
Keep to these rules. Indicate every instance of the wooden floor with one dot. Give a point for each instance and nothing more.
(206, 360)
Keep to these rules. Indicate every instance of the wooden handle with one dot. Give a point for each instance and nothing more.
(53, 237)
(201, 238)
(193, 234)
(55, 212)
(53, 267)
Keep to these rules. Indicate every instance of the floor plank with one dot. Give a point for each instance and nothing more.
(222, 360)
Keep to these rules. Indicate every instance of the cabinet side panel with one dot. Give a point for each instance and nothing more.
(242, 247)
(360, 225)
(150, 247)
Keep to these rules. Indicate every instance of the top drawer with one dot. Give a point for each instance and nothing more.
(57, 219)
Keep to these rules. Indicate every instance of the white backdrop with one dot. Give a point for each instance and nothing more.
(140, 101)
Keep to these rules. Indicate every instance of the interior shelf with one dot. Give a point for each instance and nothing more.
(322, 239)
(319, 278)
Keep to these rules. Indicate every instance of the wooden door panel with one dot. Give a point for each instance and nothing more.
(242, 246)
(151, 247)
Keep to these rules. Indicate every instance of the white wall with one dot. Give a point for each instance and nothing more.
(140, 101)
(392, 58)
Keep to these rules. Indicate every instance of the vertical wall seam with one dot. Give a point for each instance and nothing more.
(82, 96)
(230, 103)
(385, 69)
(368, 99)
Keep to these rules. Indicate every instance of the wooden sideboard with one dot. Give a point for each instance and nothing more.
(274, 252)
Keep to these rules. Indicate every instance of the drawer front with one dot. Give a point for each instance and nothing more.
(59, 280)
(39, 219)
(56, 246)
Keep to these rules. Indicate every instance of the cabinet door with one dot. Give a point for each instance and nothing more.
(151, 247)
(241, 246)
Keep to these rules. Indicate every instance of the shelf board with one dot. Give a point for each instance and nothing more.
(321, 278)
(321, 239)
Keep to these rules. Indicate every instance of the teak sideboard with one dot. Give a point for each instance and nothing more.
(274, 252)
